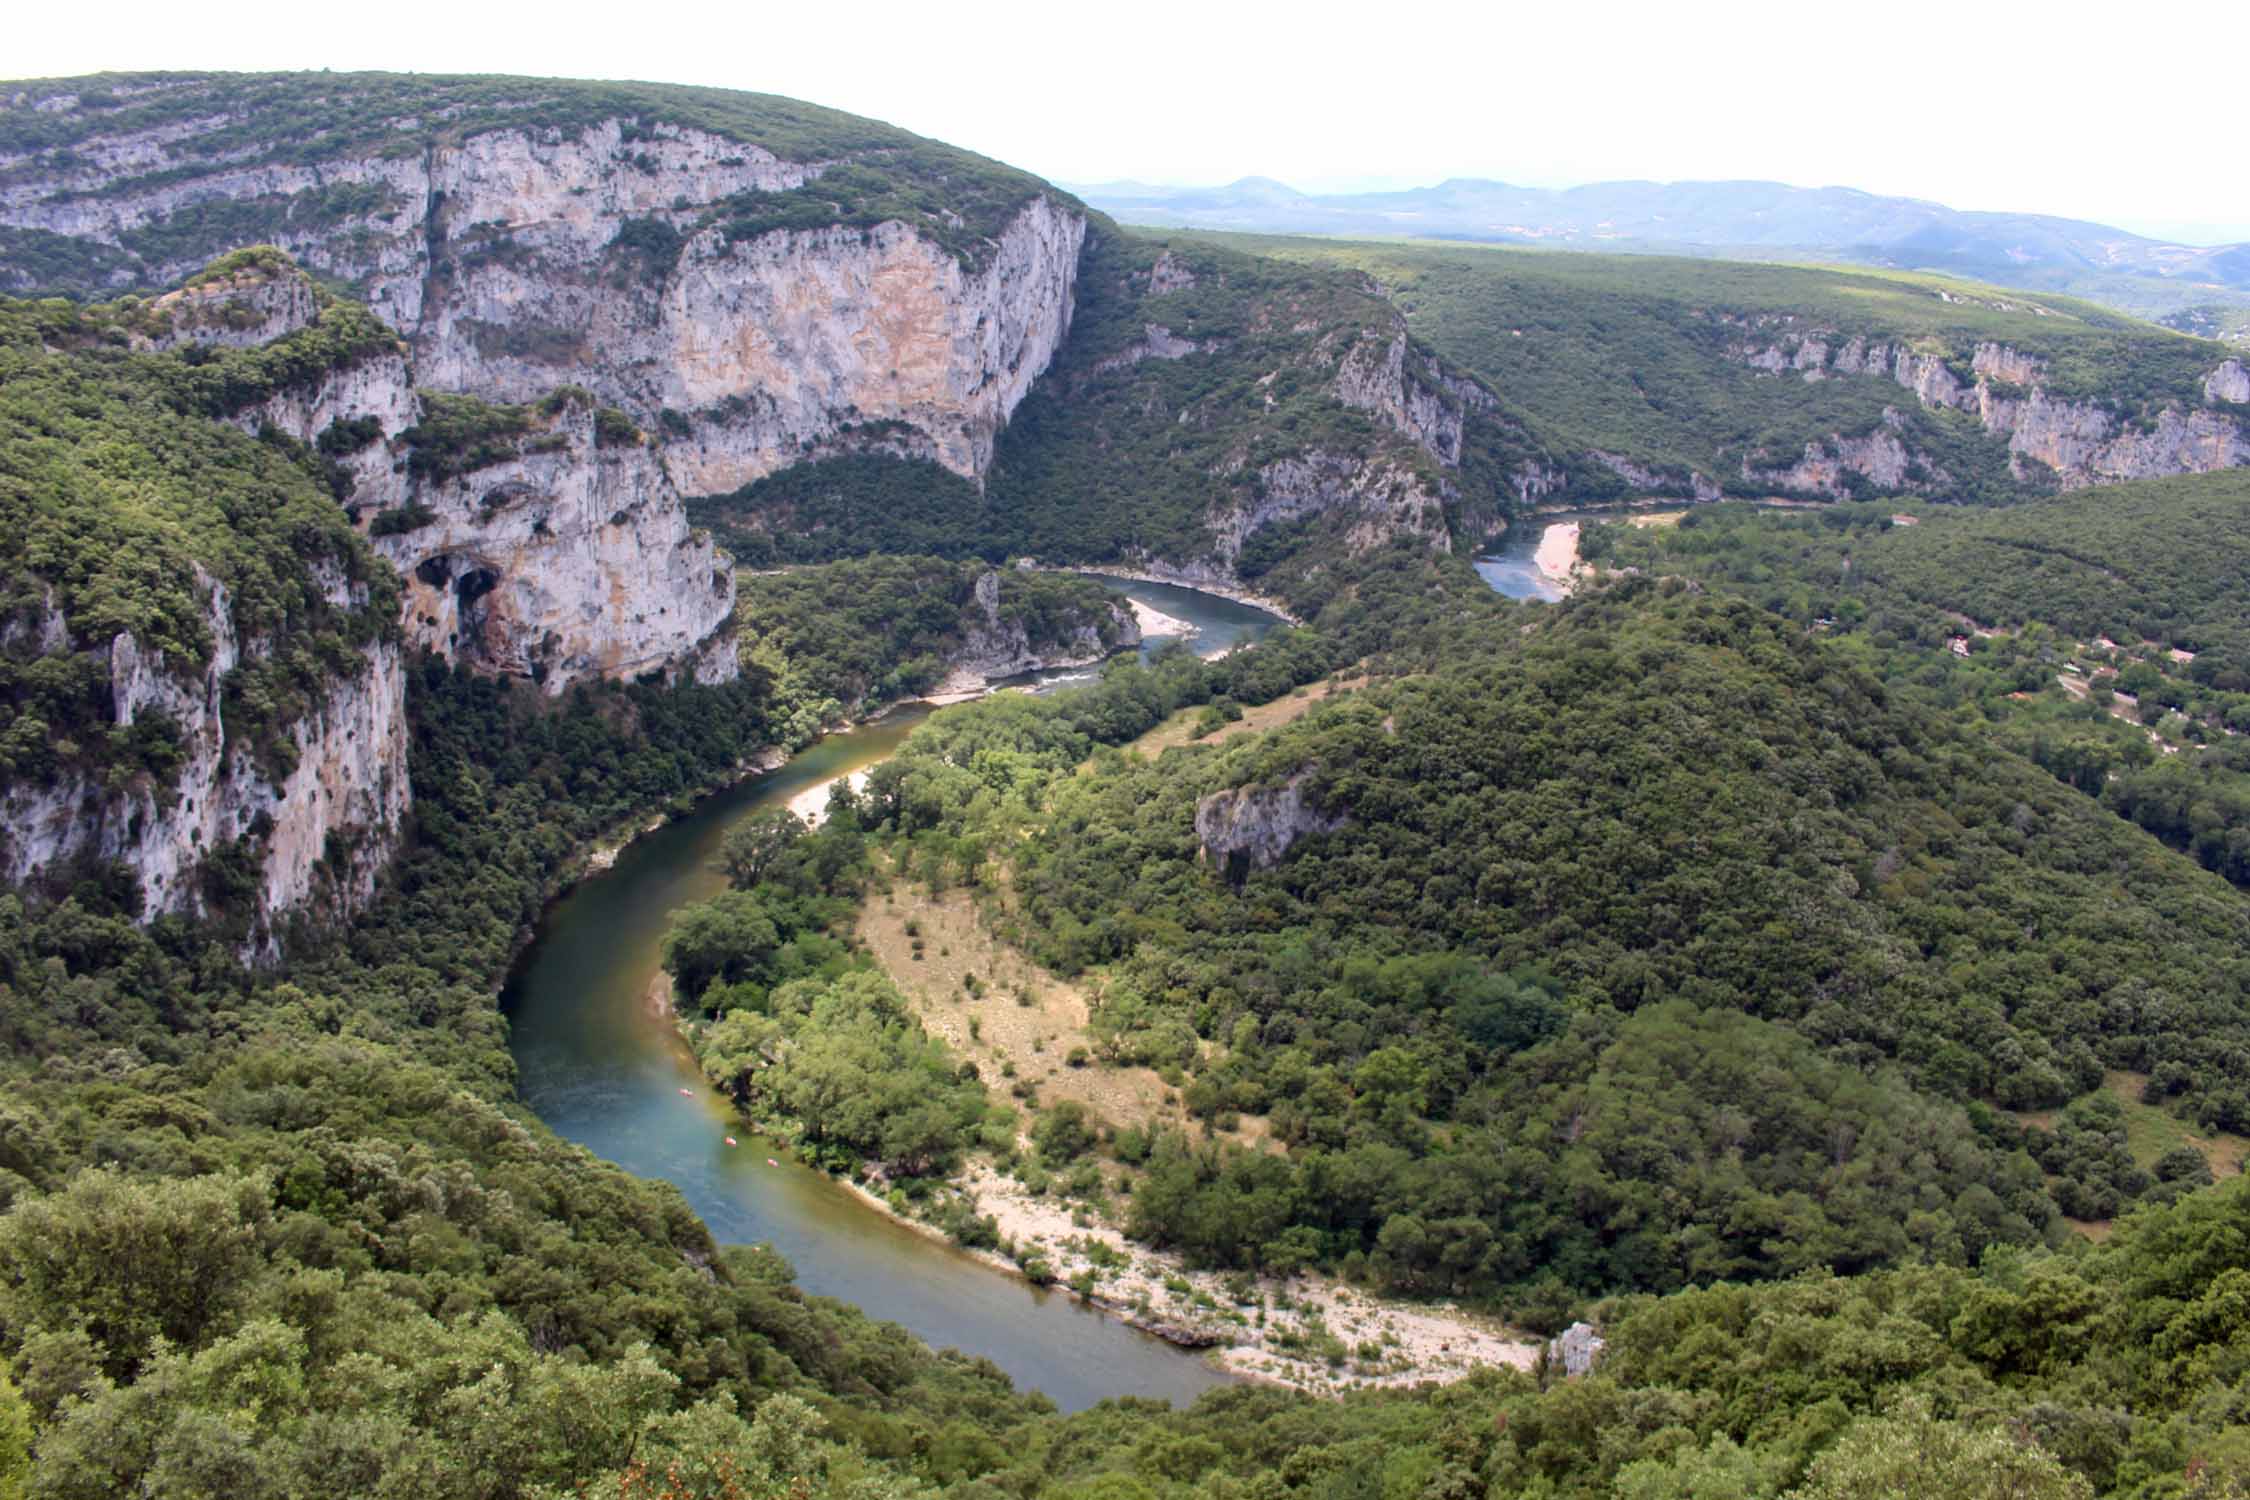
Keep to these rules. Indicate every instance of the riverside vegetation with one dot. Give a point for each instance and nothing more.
(1719, 957)
(1421, 1077)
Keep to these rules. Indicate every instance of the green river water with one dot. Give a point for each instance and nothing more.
(601, 1070)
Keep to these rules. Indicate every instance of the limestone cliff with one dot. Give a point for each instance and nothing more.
(2079, 441)
(797, 344)
(319, 826)
(569, 560)
(625, 255)
(1840, 467)
(1671, 482)
(1375, 496)
(1254, 827)
(559, 556)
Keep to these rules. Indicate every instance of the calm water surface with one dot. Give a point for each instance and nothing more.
(1507, 566)
(602, 1071)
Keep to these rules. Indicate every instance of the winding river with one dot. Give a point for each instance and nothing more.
(605, 1072)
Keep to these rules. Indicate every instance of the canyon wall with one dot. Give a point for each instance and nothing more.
(318, 821)
(2079, 441)
(517, 260)
(559, 556)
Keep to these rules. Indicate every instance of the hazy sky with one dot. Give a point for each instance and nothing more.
(2133, 115)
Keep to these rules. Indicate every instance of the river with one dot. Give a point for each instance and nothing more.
(1508, 567)
(602, 1071)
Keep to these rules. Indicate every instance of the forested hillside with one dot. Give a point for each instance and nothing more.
(2103, 635)
(1533, 904)
(1815, 956)
(1702, 367)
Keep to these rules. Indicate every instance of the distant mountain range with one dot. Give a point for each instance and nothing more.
(2204, 289)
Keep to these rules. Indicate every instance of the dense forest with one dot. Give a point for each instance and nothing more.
(124, 506)
(1773, 871)
(2103, 635)
(1816, 955)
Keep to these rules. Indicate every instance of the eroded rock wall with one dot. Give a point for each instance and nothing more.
(2078, 442)
(571, 561)
(319, 830)
(1254, 827)
(803, 343)
(514, 261)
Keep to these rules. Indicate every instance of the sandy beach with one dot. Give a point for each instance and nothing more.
(1557, 557)
(1310, 1332)
(1265, 602)
(1154, 621)
(811, 804)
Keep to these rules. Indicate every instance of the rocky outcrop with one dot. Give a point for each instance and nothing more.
(2084, 444)
(1254, 827)
(1841, 467)
(1672, 483)
(517, 260)
(1170, 273)
(1377, 497)
(994, 647)
(1157, 342)
(239, 309)
(2075, 442)
(1416, 397)
(1575, 1350)
(318, 830)
(572, 560)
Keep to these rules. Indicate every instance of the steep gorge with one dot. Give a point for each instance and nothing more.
(584, 309)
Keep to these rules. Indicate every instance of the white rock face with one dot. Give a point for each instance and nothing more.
(1576, 1349)
(1828, 468)
(248, 308)
(498, 258)
(778, 347)
(1421, 403)
(1382, 496)
(323, 830)
(2081, 442)
(1658, 484)
(381, 387)
(570, 562)
(1254, 827)
(2229, 382)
